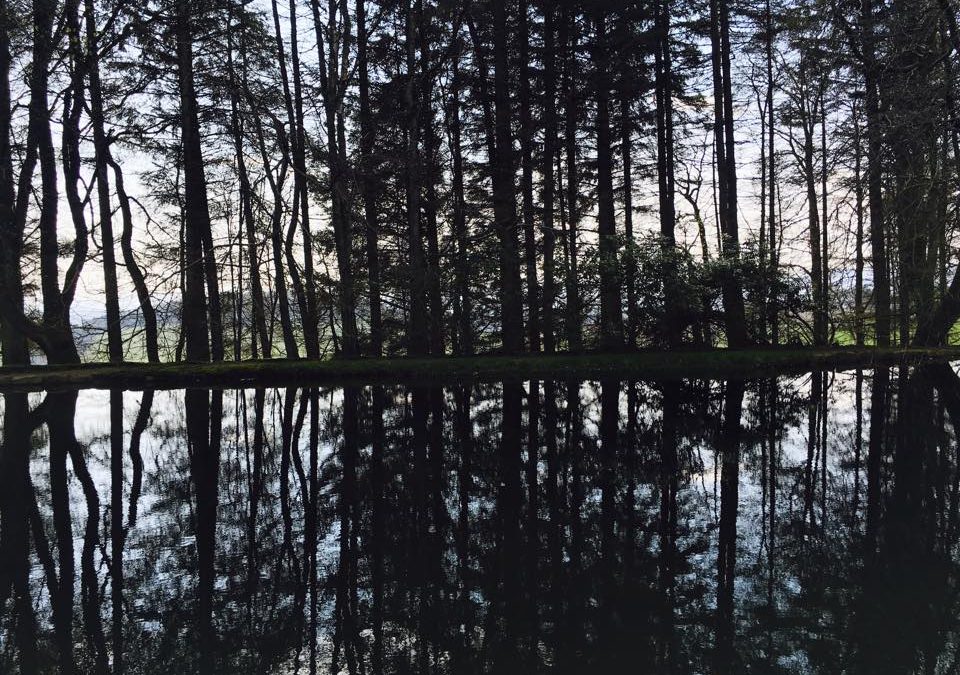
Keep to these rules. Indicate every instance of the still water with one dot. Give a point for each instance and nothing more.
(803, 524)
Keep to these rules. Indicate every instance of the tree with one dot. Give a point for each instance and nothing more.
(196, 322)
(611, 313)
(504, 195)
(665, 161)
(725, 150)
(368, 183)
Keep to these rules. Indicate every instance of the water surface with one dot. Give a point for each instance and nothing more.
(808, 524)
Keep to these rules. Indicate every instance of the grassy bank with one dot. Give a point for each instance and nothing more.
(643, 364)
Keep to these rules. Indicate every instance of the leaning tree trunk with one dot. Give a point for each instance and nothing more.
(133, 269)
(261, 339)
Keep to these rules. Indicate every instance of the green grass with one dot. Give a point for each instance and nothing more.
(643, 364)
(845, 337)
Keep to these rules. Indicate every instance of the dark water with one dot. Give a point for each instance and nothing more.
(794, 525)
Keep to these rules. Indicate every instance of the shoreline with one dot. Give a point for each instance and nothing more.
(652, 364)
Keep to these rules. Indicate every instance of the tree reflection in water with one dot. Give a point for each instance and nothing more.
(807, 524)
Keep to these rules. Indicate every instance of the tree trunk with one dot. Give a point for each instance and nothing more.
(311, 319)
(858, 318)
(825, 220)
(53, 334)
(463, 305)
(417, 334)
(368, 184)
(813, 220)
(772, 234)
(261, 342)
(733, 304)
(568, 38)
(611, 314)
(504, 195)
(57, 299)
(114, 337)
(12, 340)
(331, 80)
(197, 213)
(630, 253)
(292, 150)
(133, 269)
(526, 183)
(431, 174)
(881, 276)
(550, 147)
(673, 330)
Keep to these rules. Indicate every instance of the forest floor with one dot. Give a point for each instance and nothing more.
(676, 364)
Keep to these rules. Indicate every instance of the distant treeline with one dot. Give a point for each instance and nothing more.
(440, 176)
